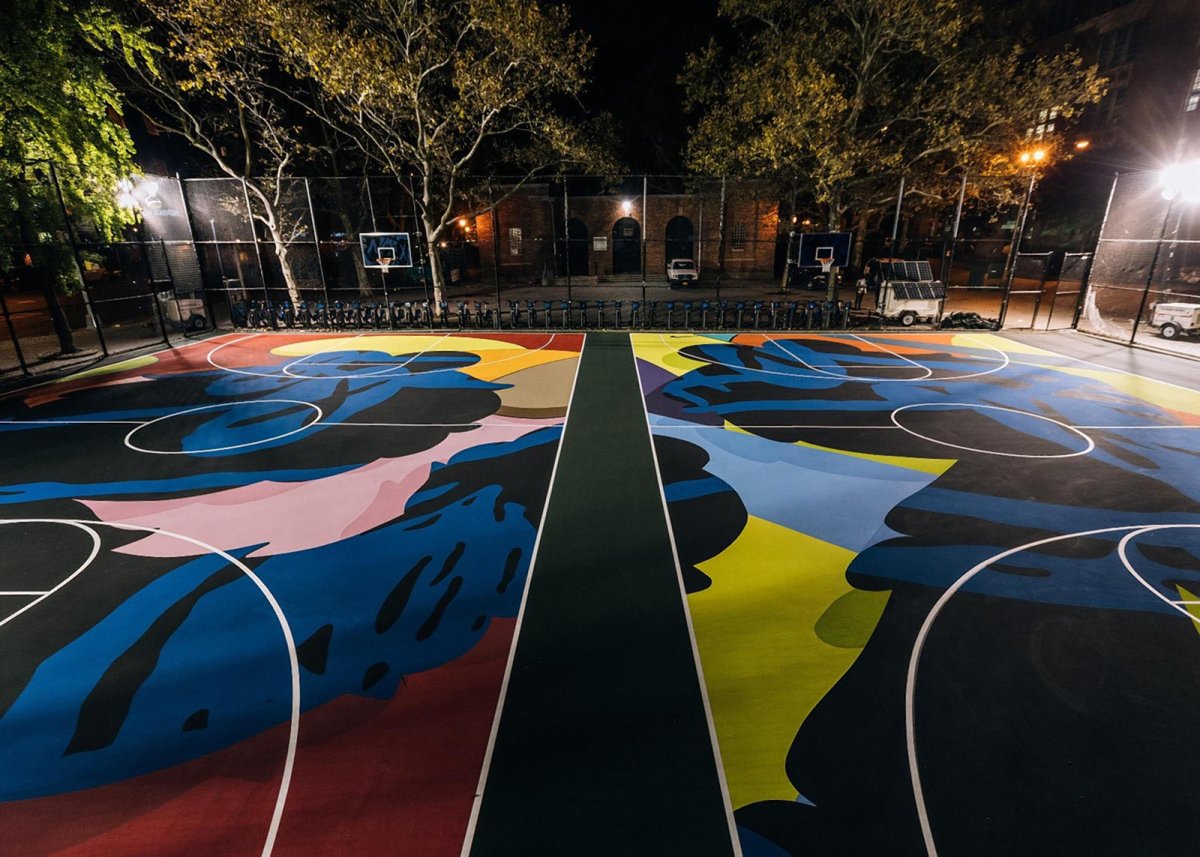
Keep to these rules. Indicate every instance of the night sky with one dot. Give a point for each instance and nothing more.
(640, 47)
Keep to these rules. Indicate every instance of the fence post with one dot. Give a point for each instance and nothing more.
(73, 240)
(1086, 284)
(312, 217)
(495, 246)
(262, 272)
(145, 251)
(171, 276)
(417, 234)
(187, 213)
(721, 239)
(12, 332)
(1015, 248)
(1162, 235)
(645, 229)
(948, 258)
(896, 216)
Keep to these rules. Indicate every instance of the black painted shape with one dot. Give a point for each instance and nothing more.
(196, 721)
(314, 652)
(103, 712)
(374, 673)
(603, 747)
(449, 563)
(430, 625)
(511, 563)
(397, 599)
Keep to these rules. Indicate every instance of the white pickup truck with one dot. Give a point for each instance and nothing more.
(682, 273)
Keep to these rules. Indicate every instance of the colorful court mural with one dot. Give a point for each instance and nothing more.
(945, 590)
(259, 592)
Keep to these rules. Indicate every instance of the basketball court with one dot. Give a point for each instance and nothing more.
(554, 593)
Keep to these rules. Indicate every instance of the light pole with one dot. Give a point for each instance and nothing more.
(1179, 182)
(1033, 158)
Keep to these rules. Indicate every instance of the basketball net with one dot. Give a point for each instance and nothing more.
(825, 263)
(385, 262)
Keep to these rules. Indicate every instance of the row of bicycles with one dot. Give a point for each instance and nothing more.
(546, 315)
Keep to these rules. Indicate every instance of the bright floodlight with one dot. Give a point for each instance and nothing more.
(627, 207)
(1181, 181)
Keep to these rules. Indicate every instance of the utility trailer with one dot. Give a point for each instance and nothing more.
(908, 293)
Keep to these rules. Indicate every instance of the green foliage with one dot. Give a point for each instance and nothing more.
(60, 105)
(848, 96)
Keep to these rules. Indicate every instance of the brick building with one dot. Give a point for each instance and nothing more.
(611, 236)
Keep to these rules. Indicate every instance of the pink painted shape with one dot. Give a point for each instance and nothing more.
(285, 517)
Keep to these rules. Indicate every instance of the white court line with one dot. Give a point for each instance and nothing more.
(129, 443)
(477, 803)
(42, 596)
(939, 605)
(687, 615)
(15, 592)
(1004, 362)
(294, 661)
(381, 372)
(440, 425)
(1091, 444)
(451, 335)
(1062, 356)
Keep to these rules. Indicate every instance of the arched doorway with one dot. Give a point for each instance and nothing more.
(627, 246)
(576, 252)
(681, 239)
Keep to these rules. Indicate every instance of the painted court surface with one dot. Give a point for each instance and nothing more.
(613, 594)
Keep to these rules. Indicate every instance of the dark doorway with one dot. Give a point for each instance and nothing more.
(681, 239)
(627, 246)
(577, 249)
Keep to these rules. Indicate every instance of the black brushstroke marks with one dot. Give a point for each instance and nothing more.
(106, 706)
(449, 563)
(928, 528)
(41, 631)
(1019, 571)
(264, 416)
(704, 526)
(313, 653)
(1171, 557)
(431, 624)
(374, 673)
(468, 501)
(396, 600)
(433, 519)
(479, 622)
(511, 563)
(521, 475)
(196, 721)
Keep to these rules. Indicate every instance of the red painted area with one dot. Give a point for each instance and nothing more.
(371, 777)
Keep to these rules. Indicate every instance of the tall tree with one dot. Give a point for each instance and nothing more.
(218, 85)
(441, 94)
(58, 104)
(852, 95)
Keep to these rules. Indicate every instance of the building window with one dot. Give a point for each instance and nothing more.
(1113, 103)
(1116, 47)
(738, 241)
(1193, 101)
(514, 241)
(1045, 124)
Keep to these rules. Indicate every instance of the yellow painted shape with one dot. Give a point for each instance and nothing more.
(936, 466)
(1193, 609)
(764, 666)
(493, 365)
(131, 363)
(663, 351)
(394, 345)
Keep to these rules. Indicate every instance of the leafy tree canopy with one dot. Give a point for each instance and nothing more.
(850, 95)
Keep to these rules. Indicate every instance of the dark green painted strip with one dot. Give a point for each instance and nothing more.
(603, 746)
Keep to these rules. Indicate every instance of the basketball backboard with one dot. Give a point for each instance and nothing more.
(810, 247)
(379, 246)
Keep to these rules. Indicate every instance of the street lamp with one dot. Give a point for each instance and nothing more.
(133, 197)
(627, 207)
(1178, 182)
(1033, 158)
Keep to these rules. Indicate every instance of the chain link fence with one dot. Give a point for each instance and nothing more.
(210, 253)
(1145, 281)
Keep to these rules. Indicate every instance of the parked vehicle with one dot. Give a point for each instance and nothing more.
(908, 293)
(682, 273)
(1174, 320)
(182, 311)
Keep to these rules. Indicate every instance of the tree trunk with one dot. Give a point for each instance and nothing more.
(285, 266)
(43, 270)
(435, 266)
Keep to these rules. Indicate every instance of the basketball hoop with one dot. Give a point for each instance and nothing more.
(826, 263)
(387, 255)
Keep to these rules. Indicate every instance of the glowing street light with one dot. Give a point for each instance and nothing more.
(627, 207)
(1181, 181)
